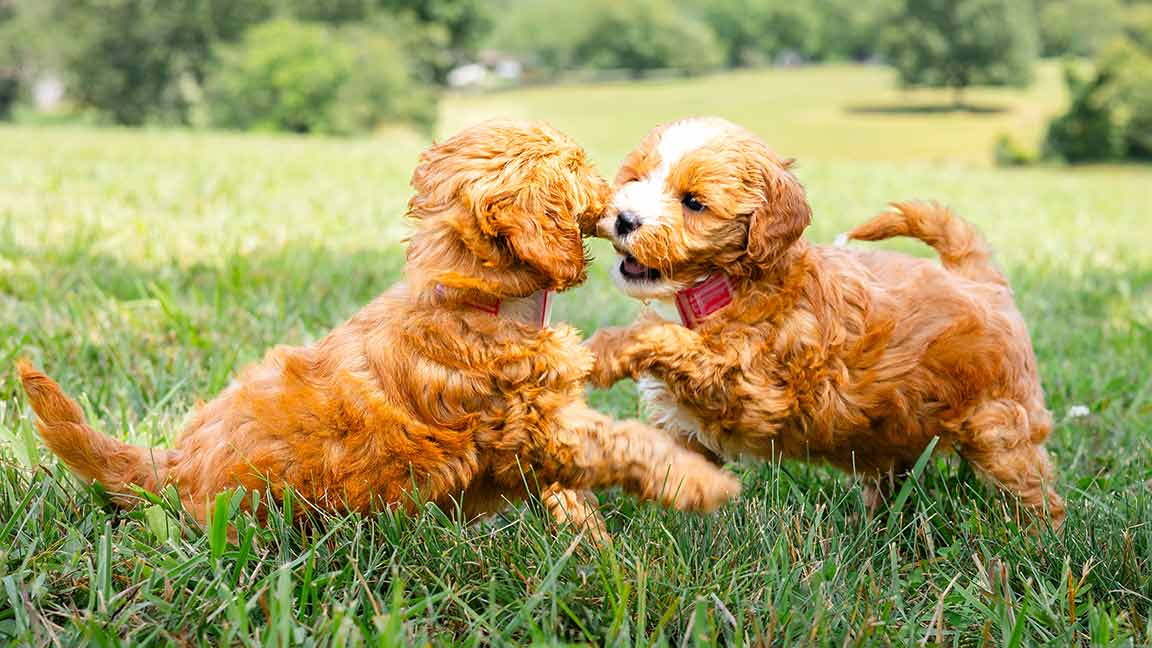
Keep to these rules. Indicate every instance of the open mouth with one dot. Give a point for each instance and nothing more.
(633, 270)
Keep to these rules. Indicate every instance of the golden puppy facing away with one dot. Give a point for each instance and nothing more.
(854, 357)
(450, 385)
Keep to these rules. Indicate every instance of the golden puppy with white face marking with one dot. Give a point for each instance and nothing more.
(854, 357)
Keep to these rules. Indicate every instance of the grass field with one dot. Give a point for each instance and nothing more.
(142, 268)
(834, 112)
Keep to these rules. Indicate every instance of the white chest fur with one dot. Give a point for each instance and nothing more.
(665, 411)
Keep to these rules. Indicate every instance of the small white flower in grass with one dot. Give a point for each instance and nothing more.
(841, 241)
(1078, 411)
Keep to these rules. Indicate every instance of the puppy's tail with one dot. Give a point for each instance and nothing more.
(92, 456)
(961, 247)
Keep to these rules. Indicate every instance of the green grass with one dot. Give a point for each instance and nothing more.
(143, 268)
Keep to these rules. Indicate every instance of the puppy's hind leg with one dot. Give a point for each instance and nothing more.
(998, 443)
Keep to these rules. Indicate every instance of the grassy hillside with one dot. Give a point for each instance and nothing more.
(834, 112)
(141, 269)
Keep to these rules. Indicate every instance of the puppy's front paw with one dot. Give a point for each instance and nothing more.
(701, 486)
(578, 509)
(605, 345)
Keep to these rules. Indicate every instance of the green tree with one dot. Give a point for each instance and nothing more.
(636, 36)
(462, 26)
(9, 59)
(381, 86)
(960, 43)
(1137, 24)
(1110, 116)
(851, 29)
(283, 75)
(647, 35)
(754, 31)
(1078, 27)
(133, 60)
(138, 61)
(313, 78)
(26, 47)
(127, 59)
(439, 33)
(548, 50)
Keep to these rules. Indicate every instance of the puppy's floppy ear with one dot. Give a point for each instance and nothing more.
(533, 219)
(599, 195)
(555, 251)
(780, 221)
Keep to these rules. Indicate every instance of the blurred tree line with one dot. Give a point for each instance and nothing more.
(343, 66)
(297, 65)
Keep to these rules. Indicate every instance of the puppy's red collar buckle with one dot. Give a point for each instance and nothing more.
(701, 300)
(534, 310)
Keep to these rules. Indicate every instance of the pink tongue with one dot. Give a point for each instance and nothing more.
(632, 266)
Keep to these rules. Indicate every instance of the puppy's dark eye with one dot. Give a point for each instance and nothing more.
(692, 203)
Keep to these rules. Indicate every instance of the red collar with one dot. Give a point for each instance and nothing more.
(702, 299)
(534, 310)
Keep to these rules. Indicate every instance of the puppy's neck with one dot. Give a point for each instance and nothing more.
(770, 290)
(697, 302)
(773, 271)
(534, 310)
(440, 262)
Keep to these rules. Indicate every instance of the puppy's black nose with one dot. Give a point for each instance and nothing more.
(626, 223)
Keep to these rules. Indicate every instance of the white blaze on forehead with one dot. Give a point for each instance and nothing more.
(645, 197)
(680, 139)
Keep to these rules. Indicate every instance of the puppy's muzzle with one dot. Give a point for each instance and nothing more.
(626, 223)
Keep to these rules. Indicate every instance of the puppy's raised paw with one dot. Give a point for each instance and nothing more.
(578, 509)
(605, 347)
(700, 486)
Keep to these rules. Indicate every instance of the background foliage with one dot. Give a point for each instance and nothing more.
(959, 43)
(312, 78)
(139, 62)
(1110, 117)
(245, 64)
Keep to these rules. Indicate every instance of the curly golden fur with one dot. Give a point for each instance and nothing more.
(858, 358)
(421, 396)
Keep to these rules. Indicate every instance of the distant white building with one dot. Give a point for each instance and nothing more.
(467, 76)
(47, 93)
(492, 68)
(508, 69)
